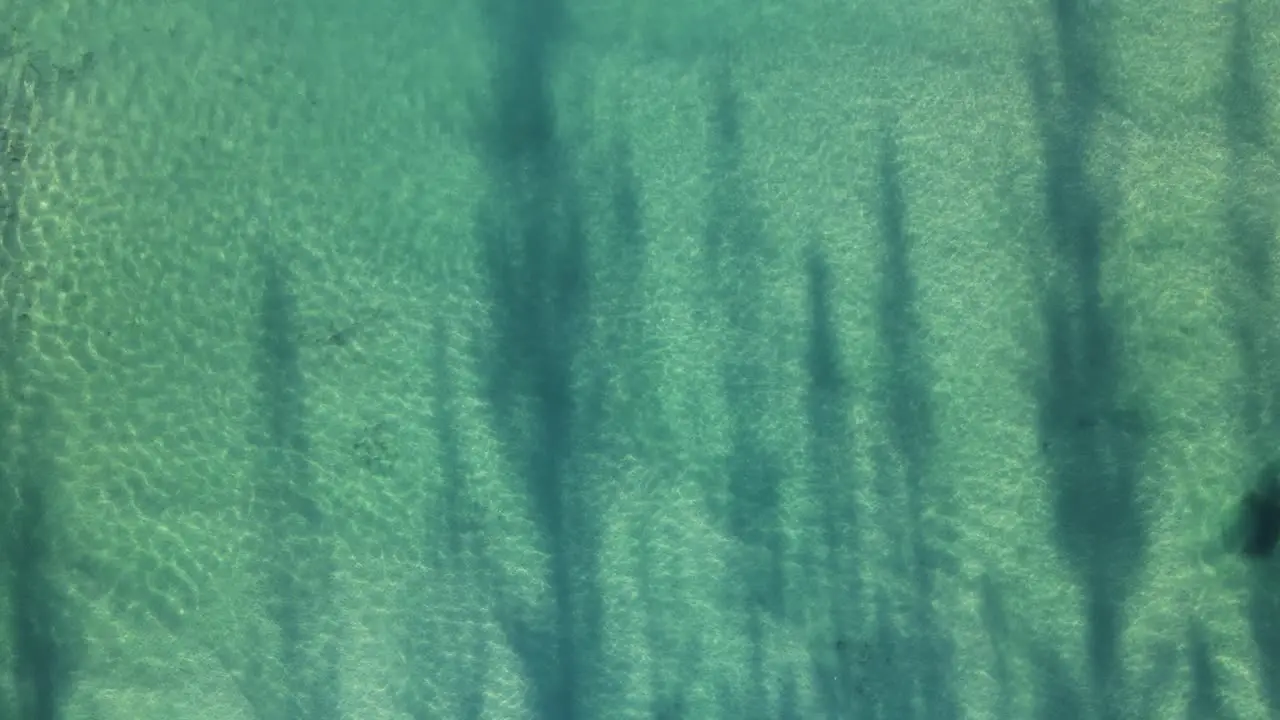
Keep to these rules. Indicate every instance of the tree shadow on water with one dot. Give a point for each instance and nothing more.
(905, 396)
(533, 256)
(1251, 186)
(1092, 422)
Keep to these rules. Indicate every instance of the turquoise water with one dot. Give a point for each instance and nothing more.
(603, 360)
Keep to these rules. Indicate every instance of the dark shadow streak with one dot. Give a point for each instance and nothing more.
(299, 564)
(45, 645)
(637, 427)
(534, 258)
(737, 249)
(907, 399)
(1206, 699)
(995, 624)
(448, 547)
(832, 452)
(1091, 433)
(1251, 232)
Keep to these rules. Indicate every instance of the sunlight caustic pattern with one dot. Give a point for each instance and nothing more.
(585, 360)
